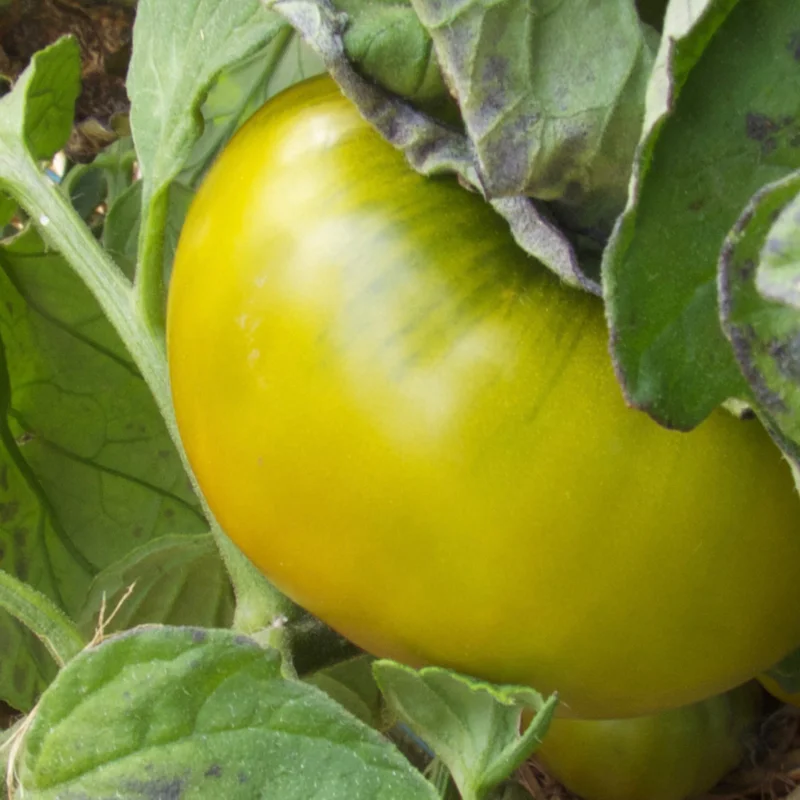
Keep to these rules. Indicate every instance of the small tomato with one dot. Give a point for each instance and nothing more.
(672, 755)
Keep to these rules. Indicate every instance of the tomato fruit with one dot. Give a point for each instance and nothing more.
(671, 755)
(777, 691)
(415, 431)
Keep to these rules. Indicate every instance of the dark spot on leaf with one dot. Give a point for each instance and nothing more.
(169, 513)
(772, 134)
(786, 355)
(496, 69)
(8, 511)
(163, 453)
(242, 777)
(137, 532)
(243, 640)
(9, 308)
(760, 128)
(746, 270)
(390, 127)
(22, 567)
(24, 438)
(794, 45)
(422, 150)
(198, 635)
(164, 789)
(742, 338)
(697, 205)
(214, 771)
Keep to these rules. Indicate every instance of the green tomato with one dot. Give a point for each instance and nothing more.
(672, 755)
(415, 431)
(777, 691)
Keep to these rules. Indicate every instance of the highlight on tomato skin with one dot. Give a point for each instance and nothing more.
(673, 755)
(415, 432)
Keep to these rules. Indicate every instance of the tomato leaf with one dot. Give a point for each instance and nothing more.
(764, 330)
(93, 437)
(721, 120)
(386, 41)
(241, 89)
(472, 726)
(552, 95)
(176, 580)
(90, 470)
(352, 684)
(26, 667)
(103, 179)
(178, 49)
(38, 112)
(778, 274)
(200, 713)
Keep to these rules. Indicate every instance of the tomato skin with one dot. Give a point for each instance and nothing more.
(672, 755)
(416, 433)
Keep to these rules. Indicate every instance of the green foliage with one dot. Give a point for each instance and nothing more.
(174, 580)
(389, 44)
(197, 713)
(722, 116)
(765, 327)
(473, 727)
(564, 116)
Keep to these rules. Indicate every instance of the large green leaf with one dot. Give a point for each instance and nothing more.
(722, 120)
(91, 472)
(195, 713)
(25, 533)
(552, 95)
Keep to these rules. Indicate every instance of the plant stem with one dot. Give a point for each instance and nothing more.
(64, 230)
(149, 286)
(41, 616)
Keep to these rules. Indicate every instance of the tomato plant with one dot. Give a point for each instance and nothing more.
(672, 755)
(396, 399)
(416, 432)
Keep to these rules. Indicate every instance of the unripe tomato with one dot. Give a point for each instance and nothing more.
(672, 755)
(415, 431)
(778, 692)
